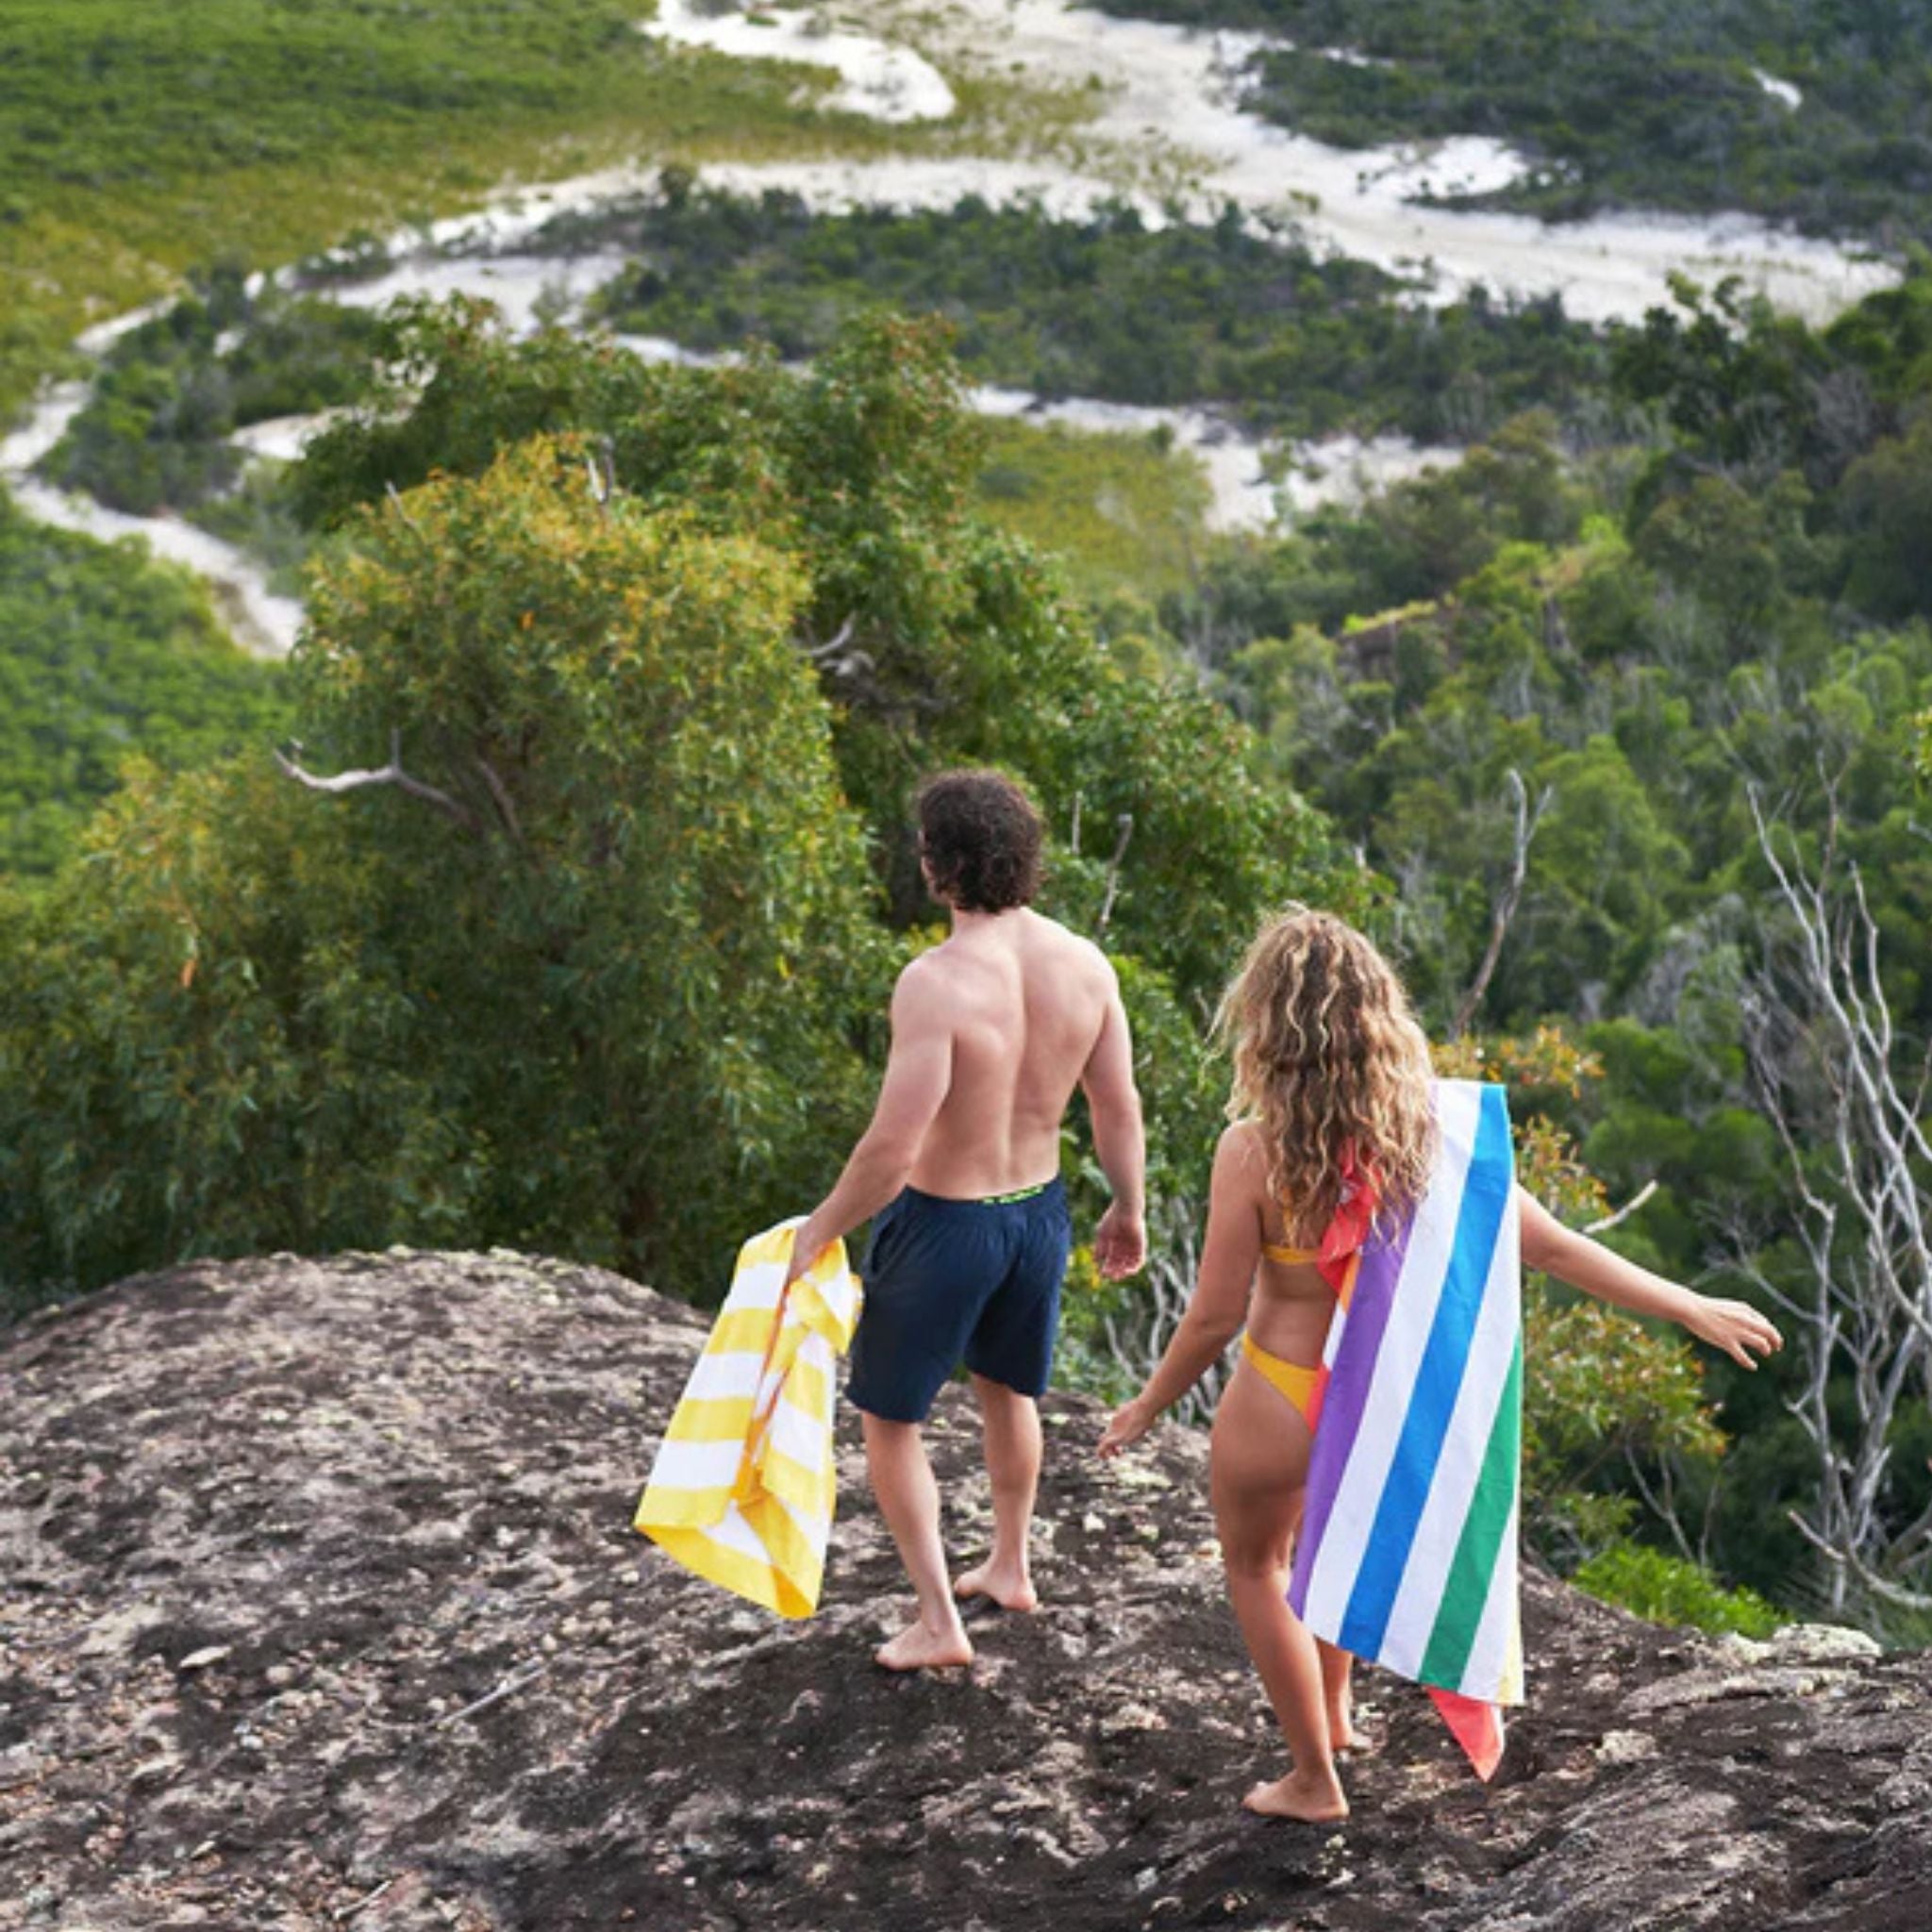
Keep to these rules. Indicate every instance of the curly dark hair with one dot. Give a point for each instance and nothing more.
(980, 837)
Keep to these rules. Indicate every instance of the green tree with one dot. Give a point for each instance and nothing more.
(938, 639)
(580, 968)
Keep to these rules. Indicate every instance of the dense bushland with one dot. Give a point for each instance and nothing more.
(1571, 692)
(1302, 343)
(137, 139)
(1622, 102)
(1546, 696)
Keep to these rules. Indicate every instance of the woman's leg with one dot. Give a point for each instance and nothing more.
(1260, 1466)
(1338, 1694)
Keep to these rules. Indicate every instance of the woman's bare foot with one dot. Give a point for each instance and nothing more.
(1012, 1590)
(1342, 1735)
(1313, 1797)
(917, 1648)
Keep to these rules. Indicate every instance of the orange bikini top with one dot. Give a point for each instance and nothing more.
(1347, 1229)
(1291, 1257)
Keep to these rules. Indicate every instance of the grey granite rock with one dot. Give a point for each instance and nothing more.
(320, 1607)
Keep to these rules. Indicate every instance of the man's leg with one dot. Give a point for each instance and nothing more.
(1010, 1424)
(908, 1499)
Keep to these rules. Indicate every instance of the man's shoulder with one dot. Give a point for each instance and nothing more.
(1072, 947)
(925, 974)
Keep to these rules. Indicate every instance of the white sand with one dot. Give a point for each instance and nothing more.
(1170, 96)
(1164, 95)
(520, 285)
(883, 82)
(262, 621)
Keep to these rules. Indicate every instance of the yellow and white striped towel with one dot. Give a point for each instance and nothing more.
(743, 1488)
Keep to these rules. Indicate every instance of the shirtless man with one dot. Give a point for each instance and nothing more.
(992, 1032)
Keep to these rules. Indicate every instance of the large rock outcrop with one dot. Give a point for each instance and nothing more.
(321, 1608)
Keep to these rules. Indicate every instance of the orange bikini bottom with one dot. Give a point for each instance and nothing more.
(1295, 1381)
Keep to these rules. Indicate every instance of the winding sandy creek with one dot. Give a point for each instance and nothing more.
(1172, 138)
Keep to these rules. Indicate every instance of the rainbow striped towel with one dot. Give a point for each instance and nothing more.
(745, 1486)
(1407, 1550)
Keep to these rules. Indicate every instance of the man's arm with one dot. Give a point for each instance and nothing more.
(1119, 1242)
(1550, 1248)
(919, 1072)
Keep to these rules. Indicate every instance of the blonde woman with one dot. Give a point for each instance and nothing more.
(1332, 1119)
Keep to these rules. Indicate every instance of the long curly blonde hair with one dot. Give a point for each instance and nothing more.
(1330, 1063)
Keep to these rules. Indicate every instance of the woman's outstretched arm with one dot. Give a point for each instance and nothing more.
(1229, 1256)
(1550, 1248)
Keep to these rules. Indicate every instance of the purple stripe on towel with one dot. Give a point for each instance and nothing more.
(1347, 1393)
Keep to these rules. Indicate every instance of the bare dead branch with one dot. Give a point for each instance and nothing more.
(401, 509)
(516, 1681)
(1126, 823)
(1845, 1099)
(854, 668)
(1137, 1336)
(505, 806)
(821, 654)
(391, 774)
(1625, 1211)
(1527, 818)
(343, 1914)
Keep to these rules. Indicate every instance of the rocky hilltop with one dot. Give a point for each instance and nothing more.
(320, 1608)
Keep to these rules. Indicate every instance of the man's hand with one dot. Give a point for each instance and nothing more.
(1120, 1243)
(808, 1245)
(1125, 1426)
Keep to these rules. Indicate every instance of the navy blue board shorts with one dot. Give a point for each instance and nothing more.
(952, 1281)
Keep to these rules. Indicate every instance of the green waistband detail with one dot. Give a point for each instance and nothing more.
(1018, 1195)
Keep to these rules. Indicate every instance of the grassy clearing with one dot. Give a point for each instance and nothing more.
(1124, 512)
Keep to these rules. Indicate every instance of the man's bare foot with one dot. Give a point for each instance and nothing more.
(1313, 1797)
(1012, 1590)
(916, 1648)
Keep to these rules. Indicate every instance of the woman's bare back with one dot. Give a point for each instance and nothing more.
(1291, 1304)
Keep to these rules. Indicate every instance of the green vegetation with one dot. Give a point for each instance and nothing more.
(104, 654)
(1124, 510)
(1300, 344)
(154, 433)
(663, 651)
(1647, 641)
(1668, 1589)
(138, 137)
(1622, 103)
(664, 718)
(1123, 513)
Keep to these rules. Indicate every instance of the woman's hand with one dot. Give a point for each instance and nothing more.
(1127, 1425)
(1736, 1327)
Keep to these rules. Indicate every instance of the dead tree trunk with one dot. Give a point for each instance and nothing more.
(1847, 1097)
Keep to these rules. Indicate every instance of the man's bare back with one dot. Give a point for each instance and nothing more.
(1024, 1005)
